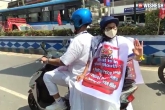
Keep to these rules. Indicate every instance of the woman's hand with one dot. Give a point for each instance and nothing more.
(80, 77)
(138, 50)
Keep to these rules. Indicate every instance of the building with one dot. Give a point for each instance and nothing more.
(18, 3)
(122, 9)
(4, 3)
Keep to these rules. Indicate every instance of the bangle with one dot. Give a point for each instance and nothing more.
(142, 58)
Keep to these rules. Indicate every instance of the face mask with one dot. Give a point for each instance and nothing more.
(111, 33)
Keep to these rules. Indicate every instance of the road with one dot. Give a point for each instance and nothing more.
(16, 70)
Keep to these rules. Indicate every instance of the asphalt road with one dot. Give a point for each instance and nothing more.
(16, 70)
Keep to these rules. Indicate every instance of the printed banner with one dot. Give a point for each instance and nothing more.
(106, 78)
(106, 71)
(107, 74)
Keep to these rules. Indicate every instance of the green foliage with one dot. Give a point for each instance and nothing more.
(125, 30)
(152, 21)
(38, 33)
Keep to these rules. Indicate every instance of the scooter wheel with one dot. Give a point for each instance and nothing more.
(161, 74)
(32, 103)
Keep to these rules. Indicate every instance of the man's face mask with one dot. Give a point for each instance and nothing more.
(111, 33)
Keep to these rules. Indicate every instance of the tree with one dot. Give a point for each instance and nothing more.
(152, 20)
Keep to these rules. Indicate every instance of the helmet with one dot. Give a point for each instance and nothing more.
(108, 19)
(81, 17)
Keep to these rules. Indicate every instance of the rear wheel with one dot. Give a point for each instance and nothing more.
(32, 103)
(161, 74)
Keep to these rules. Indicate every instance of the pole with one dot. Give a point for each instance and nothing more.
(113, 5)
(158, 26)
(109, 11)
(109, 8)
(83, 2)
(23, 2)
(134, 12)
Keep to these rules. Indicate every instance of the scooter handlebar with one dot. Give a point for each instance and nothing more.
(39, 61)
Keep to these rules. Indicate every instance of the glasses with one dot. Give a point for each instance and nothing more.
(109, 28)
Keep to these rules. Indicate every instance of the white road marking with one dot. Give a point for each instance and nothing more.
(149, 69)
(13, 93)
(25, 97)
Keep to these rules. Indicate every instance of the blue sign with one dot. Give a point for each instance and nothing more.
(107, 2)
(131, 10)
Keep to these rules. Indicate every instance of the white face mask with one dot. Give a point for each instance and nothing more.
(111, 33)
(72, 28)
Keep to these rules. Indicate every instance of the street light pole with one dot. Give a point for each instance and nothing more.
(83, 2)
(113, 5)
(23, 2)
(108, 4)
(134, 12)
(109, 11)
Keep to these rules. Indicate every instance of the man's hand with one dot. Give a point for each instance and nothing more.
(44, 59)
(80, 77)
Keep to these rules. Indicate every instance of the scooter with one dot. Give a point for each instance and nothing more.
(128, 90)
(39, 96)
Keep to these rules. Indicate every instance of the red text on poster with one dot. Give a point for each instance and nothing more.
(106, 71)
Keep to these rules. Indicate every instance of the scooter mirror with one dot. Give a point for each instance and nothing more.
(64, 42)
(43, 45)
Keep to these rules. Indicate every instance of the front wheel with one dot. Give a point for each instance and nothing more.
(161, 74)
(32, 103)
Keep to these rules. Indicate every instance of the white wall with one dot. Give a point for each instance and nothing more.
(3, 5)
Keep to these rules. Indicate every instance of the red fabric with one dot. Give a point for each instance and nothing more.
(161, 13)
(59, 19)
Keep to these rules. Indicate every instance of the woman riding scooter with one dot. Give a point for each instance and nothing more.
(112, 51)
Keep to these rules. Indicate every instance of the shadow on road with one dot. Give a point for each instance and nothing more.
(25, 70)
(24, 108)
(157, 86)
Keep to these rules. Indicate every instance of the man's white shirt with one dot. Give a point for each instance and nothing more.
(76, 56)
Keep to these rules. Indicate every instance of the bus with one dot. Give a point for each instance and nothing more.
(43, 16)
